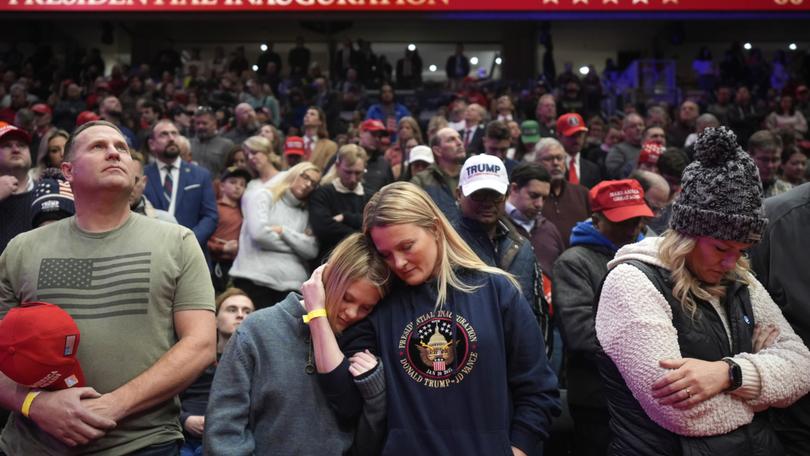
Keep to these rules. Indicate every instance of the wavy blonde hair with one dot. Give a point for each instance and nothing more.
(402, 202)
(278, 190)
(672, 252)
(348, 153)
(354, 258)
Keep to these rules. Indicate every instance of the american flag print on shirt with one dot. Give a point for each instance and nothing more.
(97, 288)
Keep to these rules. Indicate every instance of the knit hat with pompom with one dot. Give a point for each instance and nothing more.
(721, 193)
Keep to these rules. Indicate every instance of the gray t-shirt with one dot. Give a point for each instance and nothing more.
(122, 288)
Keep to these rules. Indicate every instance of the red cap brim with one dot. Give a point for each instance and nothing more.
(620, 214)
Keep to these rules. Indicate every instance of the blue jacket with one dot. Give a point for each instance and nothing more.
(196, 205)
(509, 251)
(584, 233)
(471, 378)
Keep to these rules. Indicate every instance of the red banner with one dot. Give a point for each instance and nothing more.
(406, 5)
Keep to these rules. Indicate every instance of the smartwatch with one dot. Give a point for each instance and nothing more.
(734, 374)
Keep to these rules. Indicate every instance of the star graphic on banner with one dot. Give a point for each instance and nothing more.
(605, 2)
(580, 1)
(670, 1)
(636, 2)
(556, 2)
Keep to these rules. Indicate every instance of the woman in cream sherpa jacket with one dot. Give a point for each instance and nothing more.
(688, 401)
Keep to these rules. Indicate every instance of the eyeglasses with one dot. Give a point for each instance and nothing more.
(553, 158)
(204, 109)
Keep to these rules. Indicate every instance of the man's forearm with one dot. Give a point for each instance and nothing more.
(171, 374)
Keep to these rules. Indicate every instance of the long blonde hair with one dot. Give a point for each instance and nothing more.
(354, 258)
(349, 154)
(672, 252)
(277, 191)
(402, 202)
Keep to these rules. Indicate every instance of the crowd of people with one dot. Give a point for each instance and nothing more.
(387, 283)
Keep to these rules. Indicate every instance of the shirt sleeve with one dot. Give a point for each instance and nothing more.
(227, 419)
(784, 365)
(194, 290)
(532, 383)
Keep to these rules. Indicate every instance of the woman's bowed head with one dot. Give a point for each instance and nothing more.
(695, 345)
(417, 241)
(349, 285)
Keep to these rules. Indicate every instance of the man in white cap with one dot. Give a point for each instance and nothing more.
(419, 159)
(482, 190)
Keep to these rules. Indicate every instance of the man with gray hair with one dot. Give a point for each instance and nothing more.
(567, 203)
(628, 150)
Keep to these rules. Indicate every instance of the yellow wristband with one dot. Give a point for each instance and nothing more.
(314, 314)
(29, 399)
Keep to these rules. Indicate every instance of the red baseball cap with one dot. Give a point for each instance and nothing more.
(10, 131)
(619, 200)
(294, 145)
(373, 125)
(41, 108)
(86, 116)
(650, 153)
(568, 124)
(38, 345)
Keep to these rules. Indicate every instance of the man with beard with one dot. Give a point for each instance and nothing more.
(208, 148)
(182, 189)
(440, 179)
(112, 111)
(246, 124)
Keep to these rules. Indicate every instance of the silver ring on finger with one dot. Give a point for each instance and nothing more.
(688, 393)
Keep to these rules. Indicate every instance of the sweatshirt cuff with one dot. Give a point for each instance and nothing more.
(371, 383)
(340, 391)
(751, 382)
(525, 440)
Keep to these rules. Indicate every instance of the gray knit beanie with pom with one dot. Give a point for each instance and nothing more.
(722, 195)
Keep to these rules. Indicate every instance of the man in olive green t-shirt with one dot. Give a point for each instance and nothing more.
(140, 293)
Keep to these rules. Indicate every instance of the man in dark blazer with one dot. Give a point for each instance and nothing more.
(188, 193)
(457, 66)
(473, 132)
(571, 131)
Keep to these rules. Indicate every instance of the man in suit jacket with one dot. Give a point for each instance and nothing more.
(571, 132)
(473, 132)
(187, 194)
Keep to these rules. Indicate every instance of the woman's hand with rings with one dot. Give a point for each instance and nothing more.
(690, 382)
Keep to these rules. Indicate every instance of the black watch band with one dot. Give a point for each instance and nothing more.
(734, 374)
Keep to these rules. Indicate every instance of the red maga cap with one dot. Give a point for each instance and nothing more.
(650, 153)
(373, 125)
(568, 124)
(38, 345)
(619, 200)
(294, 145)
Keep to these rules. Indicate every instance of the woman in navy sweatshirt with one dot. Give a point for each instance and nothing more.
(466, 371)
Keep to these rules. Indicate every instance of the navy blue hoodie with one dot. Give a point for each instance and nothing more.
(470, 379)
